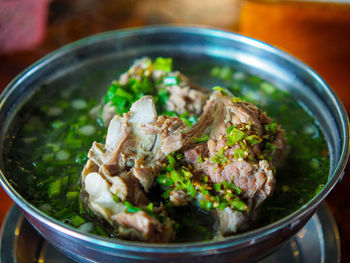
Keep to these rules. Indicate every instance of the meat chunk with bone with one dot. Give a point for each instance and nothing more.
(141, 226)
(124, 169)
(184, 97)
(243, 147)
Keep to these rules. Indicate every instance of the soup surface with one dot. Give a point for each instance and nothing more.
(54, 133)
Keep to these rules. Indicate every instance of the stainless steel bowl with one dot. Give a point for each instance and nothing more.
(105, 54)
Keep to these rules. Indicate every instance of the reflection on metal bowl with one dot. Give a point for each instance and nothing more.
(192, 46)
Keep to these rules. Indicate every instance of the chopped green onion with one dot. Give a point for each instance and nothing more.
(207, 205)
(172, 160)
(72, 196)
(271, 127)
(100, 231)
(267, 87)
(163, 179)
(164, 64)
(223, 205)
(150, 207)
(220, 157)
(269, 147)
(217, 187)
(239, 205)
(124, 94)
(87, 130)
(221, 89)
(228, 185)
(116, 198)
(62, 213)
(79, 104)
(315, 164)
(253, 139)
(62, 155)
(186, 173)
(166, 194)
(77, 220)
(239, 154)
(199, 158)
(236, 99)
(234, 136)
(55, 188)
(203, 138)
(54, 111)
(130, 208)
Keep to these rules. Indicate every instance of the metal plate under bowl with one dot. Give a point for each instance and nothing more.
(317, 242)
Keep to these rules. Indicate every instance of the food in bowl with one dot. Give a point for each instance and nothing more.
(56, 165)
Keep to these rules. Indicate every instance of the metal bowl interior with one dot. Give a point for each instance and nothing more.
(93, 62)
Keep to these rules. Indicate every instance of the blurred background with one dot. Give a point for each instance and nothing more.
(316, 32)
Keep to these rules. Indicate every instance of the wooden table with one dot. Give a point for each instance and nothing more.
(68, 22)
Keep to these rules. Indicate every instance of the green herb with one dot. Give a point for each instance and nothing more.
(267, 88)
(164, 64)
(55, 188)
(253, 139)
(220, 157)
(130, 208)
(72, 196)
(100, 231)
(199, 158)
(239, 154)
(188, 119)
(63, 213)
(203, 138)
(239, 205)
(269, 147)
(217, 187)
(172, 160)
(221, 89)
(207, 205)
(227, 185)
(223, 205)
(233, 135)
(236, 99)
(165, 180)
(77, 221)
(271, 127)
(116, 198)
(150, 207)
(163, 96)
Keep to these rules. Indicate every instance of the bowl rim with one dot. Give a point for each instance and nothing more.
(199, 247)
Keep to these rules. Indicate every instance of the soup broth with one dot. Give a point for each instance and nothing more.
(54, 133)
